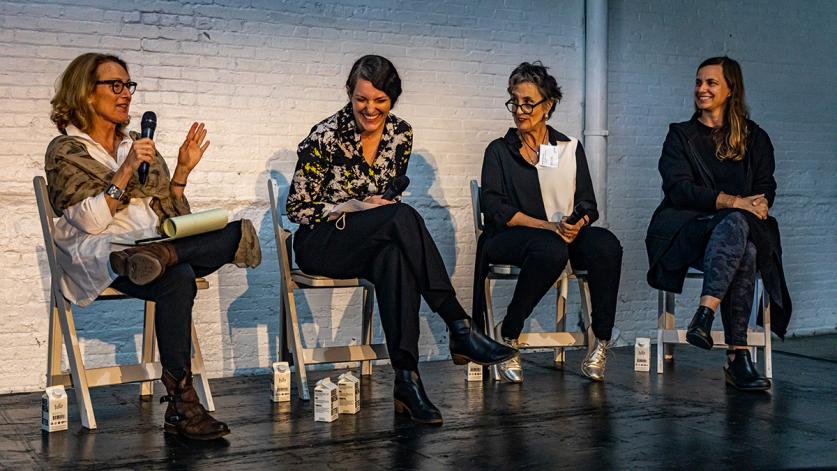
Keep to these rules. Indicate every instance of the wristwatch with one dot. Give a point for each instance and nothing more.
(115, 192)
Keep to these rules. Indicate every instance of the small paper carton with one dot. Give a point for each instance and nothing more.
(54, 409)
(326, 404)
(474, 372)
(348, 393)
(281, 384)
(642, 354)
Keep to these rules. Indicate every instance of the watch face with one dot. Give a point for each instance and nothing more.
(115, 192)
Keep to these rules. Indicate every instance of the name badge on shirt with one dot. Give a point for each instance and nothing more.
(550, 156)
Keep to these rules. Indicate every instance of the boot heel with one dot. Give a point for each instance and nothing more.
(459, 360)
(119, 263)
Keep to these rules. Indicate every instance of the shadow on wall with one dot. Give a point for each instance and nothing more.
(428, 199)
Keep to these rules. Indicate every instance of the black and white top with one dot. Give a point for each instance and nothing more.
(331, 168)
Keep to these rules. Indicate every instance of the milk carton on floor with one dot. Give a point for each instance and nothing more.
(642, 354)
(281, 384)
(348, 393)
(474, 372)
(54, 409)
(326, 404)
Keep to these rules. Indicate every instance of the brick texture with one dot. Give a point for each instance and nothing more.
(261, 73)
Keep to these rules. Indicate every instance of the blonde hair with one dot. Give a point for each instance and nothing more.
(76, 84)
(731, 138)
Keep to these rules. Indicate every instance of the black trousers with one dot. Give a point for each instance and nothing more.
(729, 274)
(542, 256)
(175, 291)
(391, 247)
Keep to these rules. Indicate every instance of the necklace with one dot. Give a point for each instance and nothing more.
(537, 152)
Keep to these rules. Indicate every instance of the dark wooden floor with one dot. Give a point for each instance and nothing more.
(685, 418)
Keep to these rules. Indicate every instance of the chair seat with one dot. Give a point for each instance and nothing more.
(111, 293)
(319, 281)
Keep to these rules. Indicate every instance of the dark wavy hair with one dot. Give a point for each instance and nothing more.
(731, 138)
(76, 84)
(536, 73)
(378, 70)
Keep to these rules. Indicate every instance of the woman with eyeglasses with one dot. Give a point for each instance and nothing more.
(357, 154)
(717, 170)
(91, 170)
(533, 179)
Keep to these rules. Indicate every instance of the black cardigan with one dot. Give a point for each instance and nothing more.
(510, 184)
(690, 192)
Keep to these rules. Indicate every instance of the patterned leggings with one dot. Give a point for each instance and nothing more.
(729, 267)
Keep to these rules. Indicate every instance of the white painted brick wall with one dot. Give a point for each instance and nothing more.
(261, 73)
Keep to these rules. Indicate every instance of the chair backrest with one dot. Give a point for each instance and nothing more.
(284, 237)
(47, 214)
(475, 207)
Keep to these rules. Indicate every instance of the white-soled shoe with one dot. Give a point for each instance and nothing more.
(593, 365)
(510, 370)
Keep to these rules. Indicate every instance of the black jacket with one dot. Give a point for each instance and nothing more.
(690, 192)
(510, 184)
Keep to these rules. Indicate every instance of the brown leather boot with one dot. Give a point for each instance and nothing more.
(145, 263)
(185, 415)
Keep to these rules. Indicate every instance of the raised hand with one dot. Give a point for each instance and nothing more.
(193, 147)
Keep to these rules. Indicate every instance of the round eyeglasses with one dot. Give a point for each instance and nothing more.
(118, 85)
(526, 108)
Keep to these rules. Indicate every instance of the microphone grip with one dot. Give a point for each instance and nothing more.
(578, 212)
(390, 194)
(142, 172)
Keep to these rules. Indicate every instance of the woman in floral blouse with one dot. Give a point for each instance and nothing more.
(356, 154)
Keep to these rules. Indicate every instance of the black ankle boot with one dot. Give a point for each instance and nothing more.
(700, 329)
(411, 399)
(467, 344)
(741, 373)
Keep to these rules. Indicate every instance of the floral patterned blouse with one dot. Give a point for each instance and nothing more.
(331, 168)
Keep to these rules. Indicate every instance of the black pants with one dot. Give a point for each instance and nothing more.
(391, 247)
(729, 274)
(542, 256)
(175, 291)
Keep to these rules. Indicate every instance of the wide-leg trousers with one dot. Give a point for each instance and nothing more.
(391, 247)
(542, 256)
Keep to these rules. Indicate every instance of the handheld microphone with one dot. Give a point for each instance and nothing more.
(398, 186)
(579, 212)
(147, 126)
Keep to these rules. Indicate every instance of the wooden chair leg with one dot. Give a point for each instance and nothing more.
(296, 345)
(77, 371)
(661, 309)
(668, 318)
(489, 323)
(768, 342)
(56, 343)
(560, 318)
(368, 312)
(199, 371)
(148, 343)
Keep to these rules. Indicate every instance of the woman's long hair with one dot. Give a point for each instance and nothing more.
(731, 138)
(70, 105)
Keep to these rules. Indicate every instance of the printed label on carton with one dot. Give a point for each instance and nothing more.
(281, 384)
(54, 409)
(642, 354)
(348, 393)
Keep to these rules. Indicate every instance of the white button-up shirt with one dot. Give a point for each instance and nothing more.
(87, 232)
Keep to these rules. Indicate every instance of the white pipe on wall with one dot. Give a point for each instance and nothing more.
(595, 99)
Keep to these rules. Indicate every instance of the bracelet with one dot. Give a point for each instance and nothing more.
(177, 183)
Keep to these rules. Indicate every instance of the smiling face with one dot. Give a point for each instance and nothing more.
(109, 108)
(711, 89)
(370, 107)
(528, 93)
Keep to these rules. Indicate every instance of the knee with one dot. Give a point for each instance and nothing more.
(179, 280)
(406, 213)
(609, 246)
(550, 254)
(735, 224)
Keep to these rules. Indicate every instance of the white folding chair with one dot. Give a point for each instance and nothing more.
(561, 338)
(668, 335)
(294, 279)
(62, 329)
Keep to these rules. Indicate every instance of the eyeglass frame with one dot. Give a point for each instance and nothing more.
(130, 85)
(509, 104)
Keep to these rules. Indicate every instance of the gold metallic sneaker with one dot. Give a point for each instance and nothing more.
(593, 365)
(510, 370)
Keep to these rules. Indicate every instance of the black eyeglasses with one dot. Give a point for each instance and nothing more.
(118, 85)
(527, 108)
